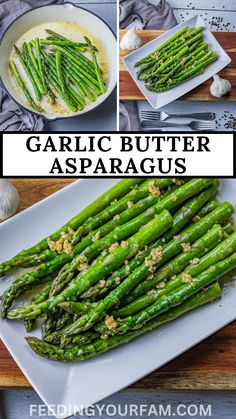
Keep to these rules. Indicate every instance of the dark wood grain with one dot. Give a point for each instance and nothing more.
(130, 91)
(211, 365)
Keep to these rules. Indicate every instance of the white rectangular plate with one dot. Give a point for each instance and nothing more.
(157, 100)
(87, 383)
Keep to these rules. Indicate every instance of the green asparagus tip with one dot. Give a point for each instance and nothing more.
(16, 49)
(33, 343)
(90, 45)
(64, 305)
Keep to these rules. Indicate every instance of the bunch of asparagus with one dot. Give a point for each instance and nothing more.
(142, 254)
(184, 56)
(57, 66)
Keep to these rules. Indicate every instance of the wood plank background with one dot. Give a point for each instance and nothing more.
(130, 91)
(210, 365)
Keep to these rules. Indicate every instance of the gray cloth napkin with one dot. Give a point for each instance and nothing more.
(11, 117)
(148, 16)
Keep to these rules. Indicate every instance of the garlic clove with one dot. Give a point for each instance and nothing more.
(220, 87)
(9, 199)
(130, 40)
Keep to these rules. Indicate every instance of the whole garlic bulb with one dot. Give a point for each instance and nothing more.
(9, 199)
(130, 40)
(220, 87)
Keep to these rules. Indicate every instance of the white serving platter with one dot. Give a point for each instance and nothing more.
(75, 384)
(157, 100)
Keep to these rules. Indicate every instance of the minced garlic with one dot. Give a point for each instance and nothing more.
(186, 247)
(82, 263)
(113, 247)
(96, 237)
(187, 278)
(153, 189)
(124, 244)
(156, 256)
(161, 285)
(110, 322)
(104, 336)
(195, 261)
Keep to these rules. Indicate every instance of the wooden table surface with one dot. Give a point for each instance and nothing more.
(130, 91)
(211, 365)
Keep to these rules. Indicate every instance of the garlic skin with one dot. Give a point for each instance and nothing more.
(220, 87)
(9, 199)
(130, 40)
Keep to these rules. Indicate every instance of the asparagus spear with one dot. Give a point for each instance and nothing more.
(180, 220)
(181, 53)
(174, 247)
(174, 83)
(76, 80)
(100, 345)
(23, 87)
(59, 72)
(97, 69)
(146, 286)
(80, 339)
(175, 69)
(40, 65)
(71, 105)
(50, 322)
(150, 70)
(128, 222)
(163, 46)
(35, 74)
(85, 60)
(214, 290)
(85, 63)
(29, 73)
(77, 45)
(147, 188)
(150, 295)
(116, 192)
(38, 298)
(121, 232)
(31, 55)
(168, 47)
(173, 267)
(210, 206)
(209, 57)
(79, 67)
(81, 73)
(80, 80)
(77, 308)
(179, 295)
(145, 235)
(152, 64)
(199, 69)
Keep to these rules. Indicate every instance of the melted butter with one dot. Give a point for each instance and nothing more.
(72, 31)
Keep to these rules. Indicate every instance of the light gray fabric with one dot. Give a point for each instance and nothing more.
(129, 120)
(148, 16)
(11, 117)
